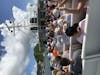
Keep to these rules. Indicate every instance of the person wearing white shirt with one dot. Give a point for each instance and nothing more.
(77, 30)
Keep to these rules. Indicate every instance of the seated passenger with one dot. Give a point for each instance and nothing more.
(56, 13)
(59, 44)
(79, 9)
(66, 70)
(77, 30)
(77, 62)
(65, 54)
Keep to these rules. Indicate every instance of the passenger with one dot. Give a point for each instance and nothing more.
(55, 52)
(65, 54)
(59, 44)
(66, 70)
(49, 3)
(56, 13)
(67, 20)
(55, 24)
(79, 10)
(62, 39)
(77, 30)
(65, 62)
(77, 62)
(63, 73)
(56, 63)
(54, 72)
(65, 3)
(51, 34)
(59, 73)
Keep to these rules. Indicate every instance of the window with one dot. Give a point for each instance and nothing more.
(42, 4)
(42, 27)
(42, 14)
(33, 20)
(34, 28)
(42, 22)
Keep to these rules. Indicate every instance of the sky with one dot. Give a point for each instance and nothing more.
(6, 7)
(6, 13)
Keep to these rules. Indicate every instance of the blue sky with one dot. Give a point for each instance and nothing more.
(6, 7)
(6, 13)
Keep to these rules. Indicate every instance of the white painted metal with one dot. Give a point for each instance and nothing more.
(91, 44)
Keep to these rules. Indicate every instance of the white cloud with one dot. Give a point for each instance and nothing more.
(35, 1)
(18, 14)
(17, 47)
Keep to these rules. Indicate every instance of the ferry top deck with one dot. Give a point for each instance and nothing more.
(90, 53)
